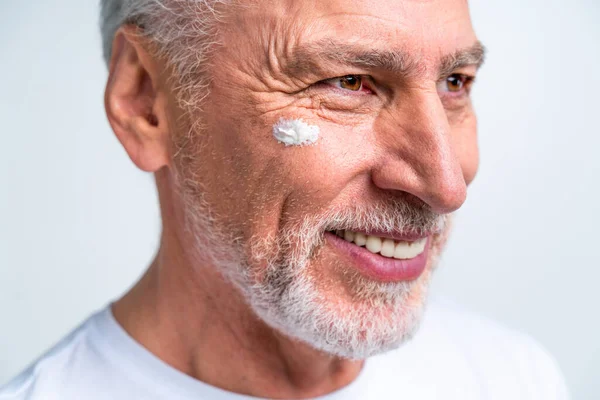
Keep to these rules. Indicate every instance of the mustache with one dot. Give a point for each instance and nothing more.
(304, 238)
(389, 216)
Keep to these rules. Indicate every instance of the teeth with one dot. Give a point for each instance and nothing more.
(349, 236)
(385, 247)
(403, 251)
(360, 239)
(373, 244)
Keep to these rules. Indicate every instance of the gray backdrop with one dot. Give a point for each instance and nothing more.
(78, 223)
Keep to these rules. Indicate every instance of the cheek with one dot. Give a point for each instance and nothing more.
(333, 162)
(260, 183)
(464, 136)
(315, 178)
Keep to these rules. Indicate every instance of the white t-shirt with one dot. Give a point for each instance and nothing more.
(454, 356)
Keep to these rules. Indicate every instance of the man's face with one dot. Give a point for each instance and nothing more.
(387, 83)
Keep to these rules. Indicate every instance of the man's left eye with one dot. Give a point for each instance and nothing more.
(353, 83)
(455, 83)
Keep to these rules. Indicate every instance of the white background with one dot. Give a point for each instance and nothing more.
(78, 223)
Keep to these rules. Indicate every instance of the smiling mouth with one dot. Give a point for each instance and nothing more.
(386, 257)
(384, 246)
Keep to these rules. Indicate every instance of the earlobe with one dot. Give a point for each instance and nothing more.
(134, 102)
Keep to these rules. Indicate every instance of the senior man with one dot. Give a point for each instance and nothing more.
(308, 155)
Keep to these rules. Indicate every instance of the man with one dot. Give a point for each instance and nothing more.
(308, 155)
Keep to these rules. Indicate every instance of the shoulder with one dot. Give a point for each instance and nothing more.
(504, 360)
(50, 377)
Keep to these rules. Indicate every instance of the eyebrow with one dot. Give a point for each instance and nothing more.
(474, 55)
(307, 57)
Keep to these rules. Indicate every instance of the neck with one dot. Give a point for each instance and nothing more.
(197, 322)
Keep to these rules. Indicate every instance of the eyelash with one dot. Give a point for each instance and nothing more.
(364, 88)
(466, 81)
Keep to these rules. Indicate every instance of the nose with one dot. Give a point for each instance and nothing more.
(418, 156)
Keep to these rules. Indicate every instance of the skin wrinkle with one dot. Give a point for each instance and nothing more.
(309, 57)
(288, 315)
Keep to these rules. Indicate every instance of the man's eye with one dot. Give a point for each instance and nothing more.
(455, 83)
(348, 82)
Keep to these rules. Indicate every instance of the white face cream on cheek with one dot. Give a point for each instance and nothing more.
(295, 132)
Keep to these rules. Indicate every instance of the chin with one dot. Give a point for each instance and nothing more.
(333, 308)
(354, 320)
(301, 286)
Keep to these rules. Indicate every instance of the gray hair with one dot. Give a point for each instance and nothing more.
(181, 31)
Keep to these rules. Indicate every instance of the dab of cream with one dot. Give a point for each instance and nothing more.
(295, 132)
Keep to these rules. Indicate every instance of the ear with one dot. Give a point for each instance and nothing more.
(136, 101)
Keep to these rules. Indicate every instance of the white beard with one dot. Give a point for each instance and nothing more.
(369, 325)
(277, 283)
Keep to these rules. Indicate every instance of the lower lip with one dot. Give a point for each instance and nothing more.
(378, 267)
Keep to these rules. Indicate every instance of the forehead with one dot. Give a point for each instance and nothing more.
(426, 28)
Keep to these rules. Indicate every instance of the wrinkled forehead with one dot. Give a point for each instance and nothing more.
(425, 28)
